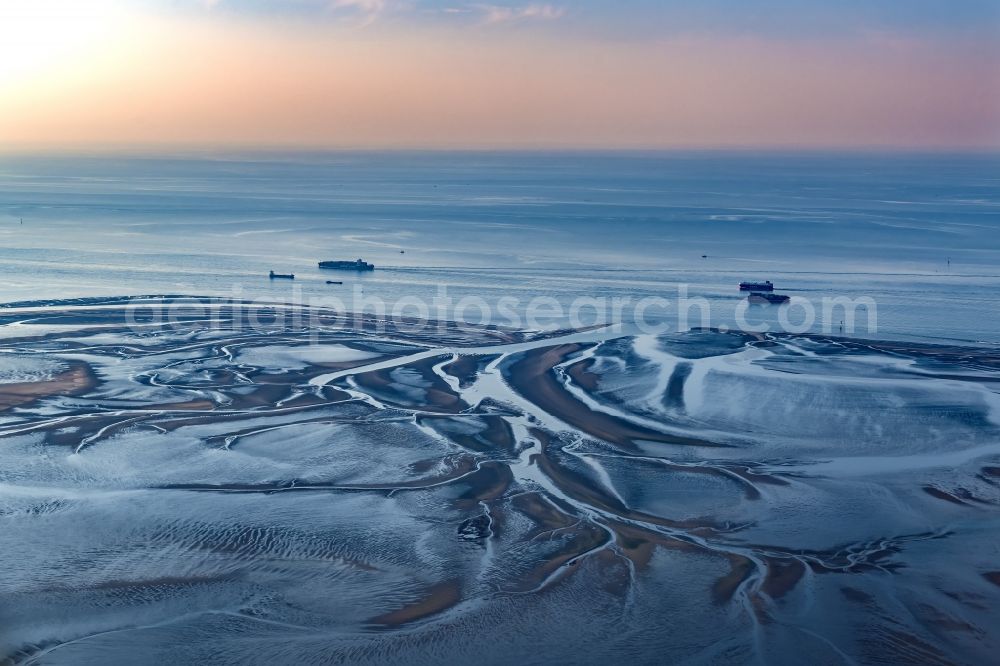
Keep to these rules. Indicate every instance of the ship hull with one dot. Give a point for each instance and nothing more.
(346, 266)
(774, 299)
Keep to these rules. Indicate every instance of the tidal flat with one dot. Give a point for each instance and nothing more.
(367, 491)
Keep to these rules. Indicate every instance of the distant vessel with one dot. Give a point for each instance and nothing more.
(758, 297)
(757, 286)
(334, 282)
(358, 265)
(281, 276)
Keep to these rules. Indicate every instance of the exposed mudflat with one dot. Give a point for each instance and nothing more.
(367, 492)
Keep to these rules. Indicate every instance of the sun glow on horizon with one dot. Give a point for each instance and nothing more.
(40, 38)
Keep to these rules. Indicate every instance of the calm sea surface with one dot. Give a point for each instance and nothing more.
(918, 234)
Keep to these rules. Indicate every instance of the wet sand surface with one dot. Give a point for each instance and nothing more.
(533, 378)
(76, 380)
(360, 492)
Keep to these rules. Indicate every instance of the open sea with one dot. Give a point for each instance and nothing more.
(919, 234)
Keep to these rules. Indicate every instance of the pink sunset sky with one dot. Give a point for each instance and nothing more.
(590, 74)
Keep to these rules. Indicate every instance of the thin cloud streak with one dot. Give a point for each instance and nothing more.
(497, 14)
(369, 10)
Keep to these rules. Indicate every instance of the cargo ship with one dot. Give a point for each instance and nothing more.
(759, 297)
(358, 265)
(281, 276)
(757, 286)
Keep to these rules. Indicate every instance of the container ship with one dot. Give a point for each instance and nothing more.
(757, 286)
(358, 265)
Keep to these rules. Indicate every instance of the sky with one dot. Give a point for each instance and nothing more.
(909, 74)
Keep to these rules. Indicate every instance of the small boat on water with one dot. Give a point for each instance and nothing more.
(757, 286)
(358, 265)
(763, 297)
(334, 282)
(281, 276)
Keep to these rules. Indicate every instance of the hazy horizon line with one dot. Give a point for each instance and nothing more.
(200, 147)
